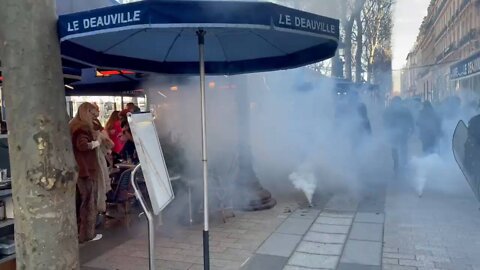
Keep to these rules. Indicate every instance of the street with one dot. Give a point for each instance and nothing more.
(436, 231)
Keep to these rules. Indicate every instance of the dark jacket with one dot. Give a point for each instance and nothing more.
(86, 158)
(399, 124)
(429, 125)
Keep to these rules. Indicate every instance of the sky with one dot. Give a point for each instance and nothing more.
(408, 17)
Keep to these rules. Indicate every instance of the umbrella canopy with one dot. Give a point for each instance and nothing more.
(70, 75)
(128, 88)
(160, 36)
(115, 85)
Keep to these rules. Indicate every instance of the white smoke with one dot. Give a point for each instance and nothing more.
(437, 173)
(304, 179)
(425, 168)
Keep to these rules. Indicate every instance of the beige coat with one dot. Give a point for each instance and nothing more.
(103, 175)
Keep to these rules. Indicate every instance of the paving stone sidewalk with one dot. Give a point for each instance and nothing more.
(439, 231)
(344, 234)
(231, 244)
(336, 237)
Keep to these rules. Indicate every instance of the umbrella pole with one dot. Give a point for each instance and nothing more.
(201, 49)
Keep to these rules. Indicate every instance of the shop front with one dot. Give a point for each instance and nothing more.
(465, 75)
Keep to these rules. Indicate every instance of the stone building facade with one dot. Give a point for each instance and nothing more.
(446, 56)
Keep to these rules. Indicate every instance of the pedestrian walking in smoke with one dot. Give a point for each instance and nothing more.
(429, 128)
(365, 128)
(84, 148)
(362, 132)
(399, 125)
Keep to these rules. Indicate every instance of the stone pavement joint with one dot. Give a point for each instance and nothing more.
(370, 217)
(352, 266)
(331, 238)
(320, 248)
(390, 261)
(367, 231)
(279, 244)
(291, 267)
(398, 267)
(398, 256)
(334, 221)
(324, 228)
(362, 252)
(313, 260)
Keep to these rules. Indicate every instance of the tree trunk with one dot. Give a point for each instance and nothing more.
(42, 163)
(369, 72)
(371, 61)
(358, 55)
(348, 49)
(337, 66)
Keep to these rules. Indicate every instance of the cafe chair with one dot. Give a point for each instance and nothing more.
(120, 198)
(223, 197)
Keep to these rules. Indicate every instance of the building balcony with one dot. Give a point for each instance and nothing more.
(439, 10)
(458, 12)
(439, 58)
(449, 49)
(464, 4)
(468, 37)
(441, 33)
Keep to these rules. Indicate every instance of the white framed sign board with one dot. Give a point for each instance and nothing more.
(152, 161)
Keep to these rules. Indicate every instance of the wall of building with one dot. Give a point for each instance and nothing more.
(449, 34)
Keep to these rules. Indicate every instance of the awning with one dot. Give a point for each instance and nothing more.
(70, 75)
(118, 85)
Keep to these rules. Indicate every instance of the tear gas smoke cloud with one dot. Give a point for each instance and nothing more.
(439, 171)
(424, 168)
(300, 123)
(298, 135)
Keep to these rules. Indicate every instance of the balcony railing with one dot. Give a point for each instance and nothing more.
(464, 4)
(442, 5)
(471, 35)
(458, 11)
(441, 33)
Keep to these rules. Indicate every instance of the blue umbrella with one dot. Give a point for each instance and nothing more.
(198, 37)
(161, 37)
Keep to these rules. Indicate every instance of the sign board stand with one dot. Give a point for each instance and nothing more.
(154, 170)
(150, 218)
